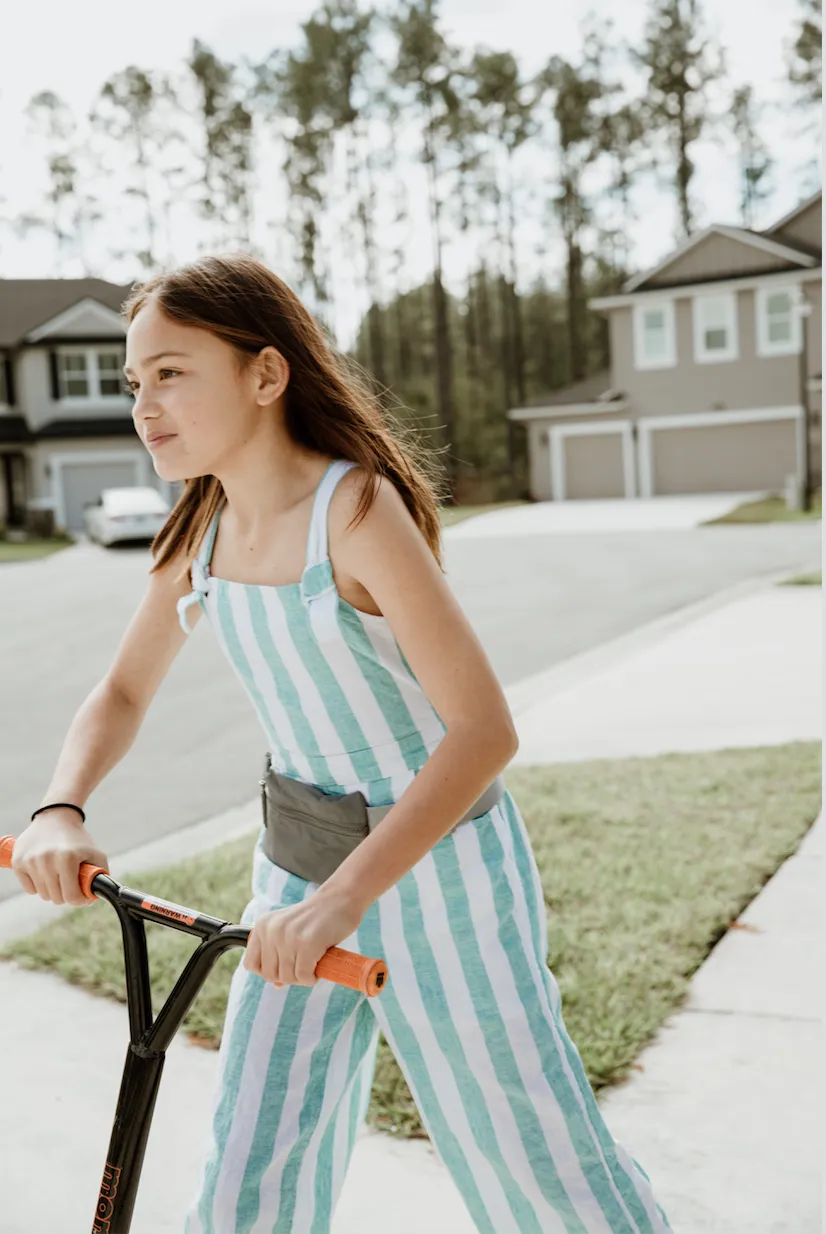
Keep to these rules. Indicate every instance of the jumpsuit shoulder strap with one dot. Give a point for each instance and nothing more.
(199, 571)
(317, 534)
(317, 578)
(204, 555)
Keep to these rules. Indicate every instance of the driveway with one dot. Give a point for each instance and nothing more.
(549, 518)
(533, 600)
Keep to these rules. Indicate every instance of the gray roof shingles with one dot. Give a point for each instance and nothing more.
(26, 304)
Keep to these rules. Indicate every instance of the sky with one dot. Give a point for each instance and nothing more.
(88, 41)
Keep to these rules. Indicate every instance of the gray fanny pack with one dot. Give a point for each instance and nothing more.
(309, 832)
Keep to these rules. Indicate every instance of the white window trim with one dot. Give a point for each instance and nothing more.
(641, 361)
(94, 398)
(764, 345)
(732, 352)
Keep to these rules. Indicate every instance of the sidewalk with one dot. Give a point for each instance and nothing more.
(723, 1114)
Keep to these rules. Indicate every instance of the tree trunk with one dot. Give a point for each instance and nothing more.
(684, 170)
(442, 345)
(576, 342)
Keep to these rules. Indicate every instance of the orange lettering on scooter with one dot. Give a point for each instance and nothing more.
(108, 1191)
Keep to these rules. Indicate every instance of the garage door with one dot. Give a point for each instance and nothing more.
(720, 458)
(83, 482)
(593, 466)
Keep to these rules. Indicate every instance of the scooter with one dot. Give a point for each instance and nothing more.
(148, 1040)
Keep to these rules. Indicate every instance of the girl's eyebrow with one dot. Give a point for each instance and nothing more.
(159, 356)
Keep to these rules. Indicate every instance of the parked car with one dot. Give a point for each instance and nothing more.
(136, 513)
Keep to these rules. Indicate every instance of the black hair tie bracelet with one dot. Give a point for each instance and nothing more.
(55, 804)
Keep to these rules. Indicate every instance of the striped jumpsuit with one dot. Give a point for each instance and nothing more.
(471, 1011)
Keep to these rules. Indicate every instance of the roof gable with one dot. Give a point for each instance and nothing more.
(801, 208)
(88, 316)
(721, 252)
(803, 227)
(27, 305)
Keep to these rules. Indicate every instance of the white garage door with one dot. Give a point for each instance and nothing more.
(83, 482)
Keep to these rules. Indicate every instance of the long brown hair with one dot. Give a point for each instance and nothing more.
(329, 403)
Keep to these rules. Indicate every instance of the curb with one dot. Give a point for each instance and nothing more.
(524, 694)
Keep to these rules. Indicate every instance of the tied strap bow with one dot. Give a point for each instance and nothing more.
(200, 586)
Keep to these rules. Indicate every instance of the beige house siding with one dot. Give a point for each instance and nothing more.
(749, 381)
(816, 437)
(805, 228)
(723, 458)
(814, 327)
(718, 257)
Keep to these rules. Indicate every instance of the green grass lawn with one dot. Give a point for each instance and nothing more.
(30, 549)
(804, 580)
(645, 863)
(770, 510)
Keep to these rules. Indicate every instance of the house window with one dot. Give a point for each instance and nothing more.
(90, 373)
(110, 377)
(715, 328)
(75, 378)
(654, 344)
(778, 325)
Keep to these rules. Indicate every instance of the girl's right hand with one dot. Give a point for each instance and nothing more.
(48, 855)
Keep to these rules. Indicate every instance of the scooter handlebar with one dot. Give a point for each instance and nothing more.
(347, 968)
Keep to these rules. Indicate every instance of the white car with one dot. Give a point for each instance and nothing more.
(136, 513)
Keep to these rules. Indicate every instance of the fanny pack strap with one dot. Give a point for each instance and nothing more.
(492, 795)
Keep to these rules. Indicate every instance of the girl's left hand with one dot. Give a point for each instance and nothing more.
(285, 945)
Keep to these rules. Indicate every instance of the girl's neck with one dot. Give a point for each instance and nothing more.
(265, 488)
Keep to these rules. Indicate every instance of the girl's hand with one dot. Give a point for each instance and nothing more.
(285, 945)
(48, 856)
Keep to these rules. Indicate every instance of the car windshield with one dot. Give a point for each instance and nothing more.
(137, 500)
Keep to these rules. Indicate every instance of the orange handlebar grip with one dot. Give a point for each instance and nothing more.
(359, 972)
(86, 873)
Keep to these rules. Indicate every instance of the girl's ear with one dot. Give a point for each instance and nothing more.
(273, 374)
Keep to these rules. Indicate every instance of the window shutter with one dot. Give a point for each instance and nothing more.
(54, 375)
(8, 372)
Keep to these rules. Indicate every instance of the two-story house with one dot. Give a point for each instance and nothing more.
(66, 428)
(715, 374)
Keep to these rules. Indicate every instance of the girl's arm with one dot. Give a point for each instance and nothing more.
(388, 555)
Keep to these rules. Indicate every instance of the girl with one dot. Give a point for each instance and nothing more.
(309, 535)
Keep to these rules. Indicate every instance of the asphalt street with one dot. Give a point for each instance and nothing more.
(533, 600)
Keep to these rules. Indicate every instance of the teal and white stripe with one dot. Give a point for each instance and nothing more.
(335, 695)
(471, 1011)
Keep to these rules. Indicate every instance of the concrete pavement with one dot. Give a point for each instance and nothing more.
(726, 1114)
(629, 514)
(744, 674)
(723, 1114)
